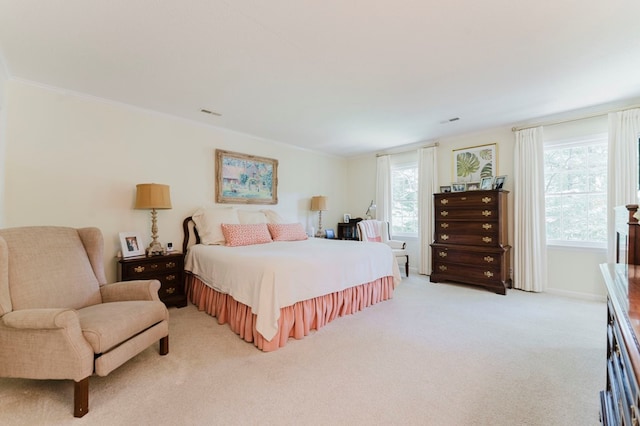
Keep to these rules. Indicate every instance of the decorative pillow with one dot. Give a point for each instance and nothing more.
(287, 231)
(273, 216)
(251, 216)
(208, 221)
(246, 235)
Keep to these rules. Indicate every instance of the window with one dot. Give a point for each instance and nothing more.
(575, 174)
(404, 199)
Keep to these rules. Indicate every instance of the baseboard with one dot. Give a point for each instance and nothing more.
(577, 295)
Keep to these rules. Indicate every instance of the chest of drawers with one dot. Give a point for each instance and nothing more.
(471, 239)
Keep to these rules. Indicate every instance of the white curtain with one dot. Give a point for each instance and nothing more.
(428, 176)
(383, 188)
(624, 131)
(529, 242)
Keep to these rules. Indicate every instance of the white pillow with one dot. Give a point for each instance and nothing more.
(250, 217)
(208, 221)
(273, 216)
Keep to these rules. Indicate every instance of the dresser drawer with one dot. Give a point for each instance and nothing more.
(478, 213)
(488, 239)
(453, 255)
(467, 199)
(483, 275)
(143, 269)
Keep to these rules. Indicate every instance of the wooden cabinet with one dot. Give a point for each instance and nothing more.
(348, 231)
(168, 269)
(620, 401)
(471, 239)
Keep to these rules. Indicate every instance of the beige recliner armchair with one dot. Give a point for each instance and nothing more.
(58, 317)
(372, 230)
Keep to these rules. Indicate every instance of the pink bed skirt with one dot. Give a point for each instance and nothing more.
(295, 321)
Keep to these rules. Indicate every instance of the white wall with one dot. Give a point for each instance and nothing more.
(4, 77)
(75, 160)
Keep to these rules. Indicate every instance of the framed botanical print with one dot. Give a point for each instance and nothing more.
(474, 163)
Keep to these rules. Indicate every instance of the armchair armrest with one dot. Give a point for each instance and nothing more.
(42, 319)
(396, 244)
(130, 290)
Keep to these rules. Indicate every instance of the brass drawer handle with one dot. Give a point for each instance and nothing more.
(171, 277)
(442, 267)
(486, 226)
(444, 225)
(486, 213)
(444, 213)
(154, 266)
(171, 290)
(486, 200)
(442, 253)
(444, 237)
(138, 269)
(444, 201)
(488, 274)
(488, 259)
(170, 265)
(487, 239)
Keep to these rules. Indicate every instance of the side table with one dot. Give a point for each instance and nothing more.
(167, 268)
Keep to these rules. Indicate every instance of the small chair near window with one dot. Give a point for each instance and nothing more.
(378, 231)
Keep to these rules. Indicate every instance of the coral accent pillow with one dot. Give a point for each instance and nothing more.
(246, 235)
(287, 231)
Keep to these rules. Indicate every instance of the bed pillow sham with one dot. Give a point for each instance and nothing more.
(287, 231)
(245, 234)
(208, 222)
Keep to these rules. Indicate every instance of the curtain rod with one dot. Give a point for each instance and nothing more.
(569, 120)
(409, 150)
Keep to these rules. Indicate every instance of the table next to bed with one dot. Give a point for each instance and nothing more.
(167, 268)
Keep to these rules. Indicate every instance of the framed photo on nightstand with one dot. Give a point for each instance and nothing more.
(131, 244)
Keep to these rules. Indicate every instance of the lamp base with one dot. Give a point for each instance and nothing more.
(320, 233)
(155, 249)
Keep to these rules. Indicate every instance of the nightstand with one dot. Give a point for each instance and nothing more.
(167, 268)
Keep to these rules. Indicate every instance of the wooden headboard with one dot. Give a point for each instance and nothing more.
(627, 230)
(189, 228)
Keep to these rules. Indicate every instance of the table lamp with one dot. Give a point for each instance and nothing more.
(370, 210)
(319, 204)
(153, 196)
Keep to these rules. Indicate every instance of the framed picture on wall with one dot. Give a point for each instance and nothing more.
(474, 163)
(245, 179)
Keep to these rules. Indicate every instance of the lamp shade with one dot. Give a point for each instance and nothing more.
(319, 203)
(152, 196)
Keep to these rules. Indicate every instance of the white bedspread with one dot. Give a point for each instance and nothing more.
(270, 276)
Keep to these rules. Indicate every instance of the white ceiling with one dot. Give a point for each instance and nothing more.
(339, 76)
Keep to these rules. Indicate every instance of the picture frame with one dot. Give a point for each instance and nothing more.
(329, 234)
(472, 186)
(486, 183)
(131, 244)
(499, 182)
(458, 187)
(446, 188)
(245, 179)
(346, 218)
(474, 163)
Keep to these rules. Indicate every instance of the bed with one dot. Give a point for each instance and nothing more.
(271, 291)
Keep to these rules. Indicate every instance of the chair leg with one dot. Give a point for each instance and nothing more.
(164, 345)
(406, 267)
(81, 397)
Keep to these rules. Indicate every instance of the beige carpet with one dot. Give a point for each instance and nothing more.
(436, 354)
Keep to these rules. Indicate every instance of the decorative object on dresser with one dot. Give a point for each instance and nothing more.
(620, 401)
(167, 268)
(153, 196)
(470, 242)
(319, 204)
